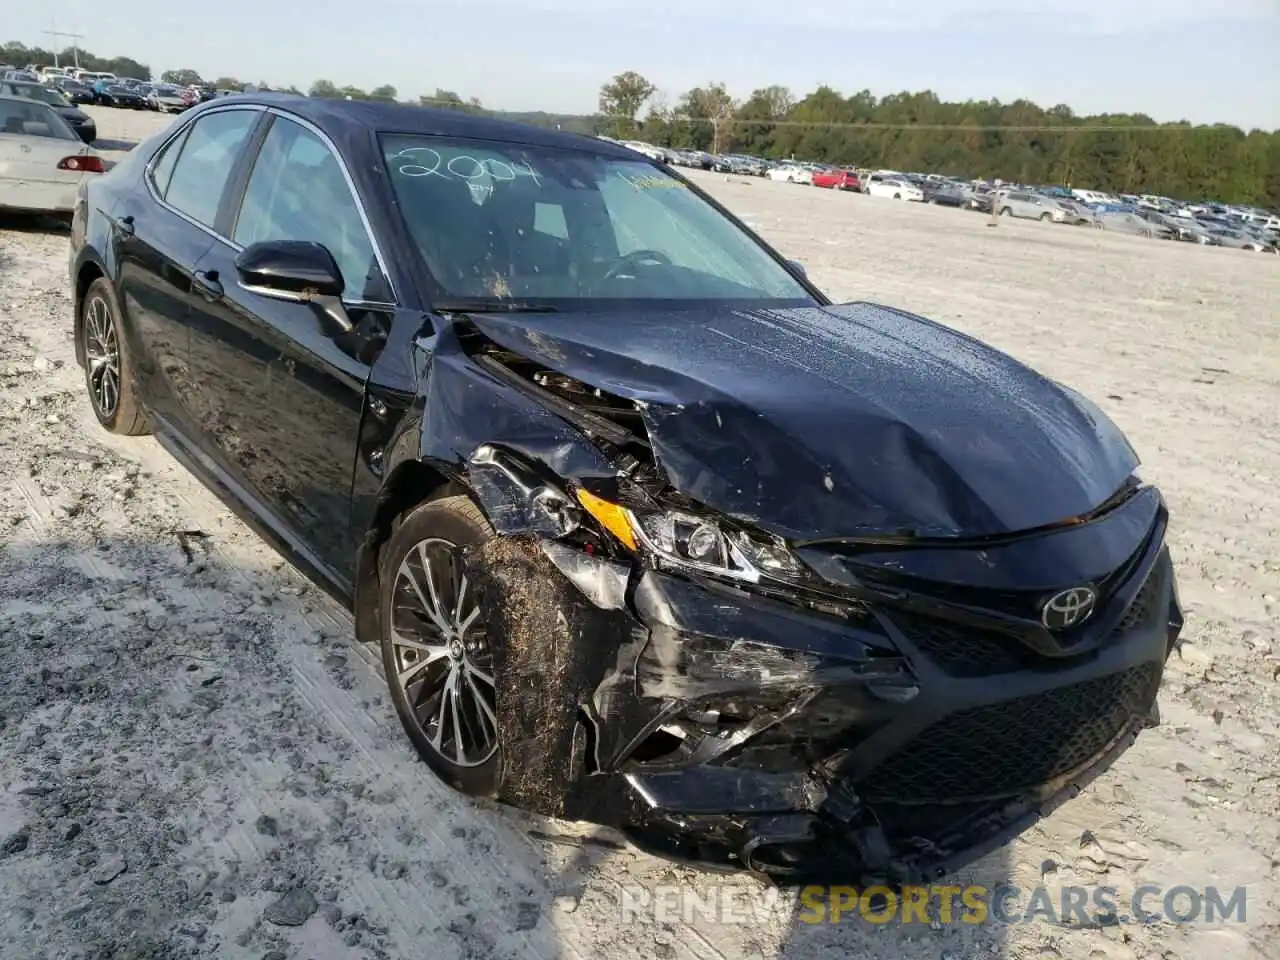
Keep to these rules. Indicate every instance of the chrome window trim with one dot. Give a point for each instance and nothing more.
(148, 171)
(148, 179)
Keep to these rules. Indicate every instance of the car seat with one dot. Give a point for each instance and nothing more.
(457, 236)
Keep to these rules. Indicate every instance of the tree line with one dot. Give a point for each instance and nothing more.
(19, 55)
(1019, 141)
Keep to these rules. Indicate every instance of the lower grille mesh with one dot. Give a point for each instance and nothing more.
(1009, 747)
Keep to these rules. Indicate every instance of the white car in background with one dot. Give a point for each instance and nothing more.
(42, 160)
(648, 149)
(791, 173)
(881, 186)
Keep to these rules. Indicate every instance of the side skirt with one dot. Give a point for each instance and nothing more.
(255, 514)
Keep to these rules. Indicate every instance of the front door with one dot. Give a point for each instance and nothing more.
(293, 386)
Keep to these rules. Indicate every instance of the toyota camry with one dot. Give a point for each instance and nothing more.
(648, 530)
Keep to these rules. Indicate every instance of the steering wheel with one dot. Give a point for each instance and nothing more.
(636, 257)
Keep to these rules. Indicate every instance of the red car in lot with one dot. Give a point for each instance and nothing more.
(836, 179)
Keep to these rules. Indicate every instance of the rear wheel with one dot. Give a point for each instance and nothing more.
(108, 368)
(1006, 212)
(897, 196)
(435, 651)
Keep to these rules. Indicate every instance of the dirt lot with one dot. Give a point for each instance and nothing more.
(196, 760)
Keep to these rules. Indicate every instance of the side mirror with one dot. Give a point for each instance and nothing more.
(298, 271)
(289, 270)
(798, 267)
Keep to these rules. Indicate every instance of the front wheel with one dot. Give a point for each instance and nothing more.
(108, 368)
(1006, 212)
(1045, 217)
(435, 650)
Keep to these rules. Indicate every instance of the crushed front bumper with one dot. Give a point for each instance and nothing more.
(725, 727)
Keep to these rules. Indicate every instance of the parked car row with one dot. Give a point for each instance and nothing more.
(1151, 216)
(108, 90)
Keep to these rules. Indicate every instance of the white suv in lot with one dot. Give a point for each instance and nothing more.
(1030, 206)
(893, 188)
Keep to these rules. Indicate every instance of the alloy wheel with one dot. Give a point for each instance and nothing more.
(102, 354)
(442, 658)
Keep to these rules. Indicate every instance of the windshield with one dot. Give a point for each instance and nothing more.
(33, 119)
(43, 94)
(498, 220)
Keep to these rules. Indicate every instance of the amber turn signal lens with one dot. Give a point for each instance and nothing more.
(610, 516)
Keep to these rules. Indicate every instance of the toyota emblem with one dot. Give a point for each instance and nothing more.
(1069, 608)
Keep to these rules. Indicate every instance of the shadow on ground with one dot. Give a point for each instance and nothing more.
(197, 757)
(34, 223)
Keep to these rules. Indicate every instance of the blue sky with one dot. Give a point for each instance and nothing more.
(1200, 60)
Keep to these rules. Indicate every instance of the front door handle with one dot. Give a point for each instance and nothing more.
(208, 284)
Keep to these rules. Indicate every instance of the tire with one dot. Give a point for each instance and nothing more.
(108, 368)
(897, 196)
(1045, 217)
(1006, 212)
(439, 529)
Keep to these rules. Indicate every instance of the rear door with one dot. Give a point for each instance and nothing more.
(295, 384)
(161, 234)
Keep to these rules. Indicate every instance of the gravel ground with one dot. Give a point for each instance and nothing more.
(196, 760)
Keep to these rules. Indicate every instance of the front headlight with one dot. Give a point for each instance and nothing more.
(685, 541)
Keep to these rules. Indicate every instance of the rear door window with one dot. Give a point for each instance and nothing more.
(205, 163)
(162, 165)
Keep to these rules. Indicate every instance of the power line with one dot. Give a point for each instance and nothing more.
(62, 34)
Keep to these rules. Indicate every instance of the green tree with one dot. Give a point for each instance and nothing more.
(621, 99)
(183, 78)
(710, 109)
(228, 83)
(324, 90)
(386, 93)
(449, 100)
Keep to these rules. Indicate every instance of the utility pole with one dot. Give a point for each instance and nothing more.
(58, 36)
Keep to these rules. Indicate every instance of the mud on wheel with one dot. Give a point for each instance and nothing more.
(435, 652)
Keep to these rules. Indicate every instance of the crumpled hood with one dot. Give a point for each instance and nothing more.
(840, 421)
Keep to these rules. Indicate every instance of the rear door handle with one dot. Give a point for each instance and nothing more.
(208, 284)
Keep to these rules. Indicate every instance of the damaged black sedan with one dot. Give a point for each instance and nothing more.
(650, 533)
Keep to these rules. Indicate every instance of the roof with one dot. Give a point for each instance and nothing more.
(342, 118)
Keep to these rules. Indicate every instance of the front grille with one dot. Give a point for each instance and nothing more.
(965, 651)
(1142, 607)
(1009, 747)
